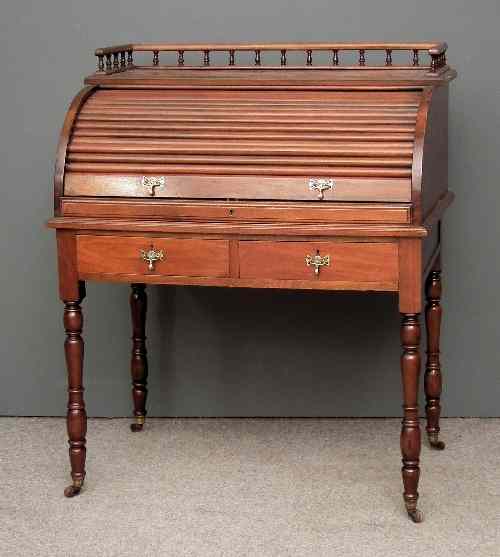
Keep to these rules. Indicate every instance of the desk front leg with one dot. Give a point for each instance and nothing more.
(410, 301)
(410, 431)
(76, 415)
(72, 292)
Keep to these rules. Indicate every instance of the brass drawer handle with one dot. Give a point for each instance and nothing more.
(152, 182)
(317, 261)
(151, 256)
(321, 185)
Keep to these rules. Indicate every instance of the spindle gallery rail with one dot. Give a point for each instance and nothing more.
(120, 58)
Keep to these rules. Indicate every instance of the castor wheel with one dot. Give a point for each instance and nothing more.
(73, 489)
(435, 443)
(416, 516)
(138, 424)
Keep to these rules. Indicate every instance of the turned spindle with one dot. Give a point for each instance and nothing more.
(180, 58)
(116, 63)
(335, 57)
(206, 57)
(257, 57)
(388, 57)
(362, 58)
(130, 58)
(100, 63)
(309, 60)
(109, 65)
(156, 59)
(231, 57)
(415, 59)
(283, 57)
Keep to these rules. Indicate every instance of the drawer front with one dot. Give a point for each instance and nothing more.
(280, 188)
(237, 211)
(357, 262)
(131, 255)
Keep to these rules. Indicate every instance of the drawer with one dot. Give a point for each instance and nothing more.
(237, 211)
(132, 255)
(356, 262)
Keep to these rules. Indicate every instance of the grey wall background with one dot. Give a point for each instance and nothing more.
(241, 353)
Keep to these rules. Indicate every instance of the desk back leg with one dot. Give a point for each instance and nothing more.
(433, 380)
(139, 361)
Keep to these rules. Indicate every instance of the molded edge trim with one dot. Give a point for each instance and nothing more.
(224, 229)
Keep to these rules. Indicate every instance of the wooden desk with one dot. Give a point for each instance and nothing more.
(262, 172)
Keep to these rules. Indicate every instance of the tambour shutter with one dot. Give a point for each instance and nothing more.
(220, 144)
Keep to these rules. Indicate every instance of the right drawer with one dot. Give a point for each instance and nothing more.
(333, 261)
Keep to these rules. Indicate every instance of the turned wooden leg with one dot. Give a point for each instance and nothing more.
(410, 432)
(76, 416)
(432, 379)
(139, 361)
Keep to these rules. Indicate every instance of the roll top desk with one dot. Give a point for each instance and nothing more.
(295, 166)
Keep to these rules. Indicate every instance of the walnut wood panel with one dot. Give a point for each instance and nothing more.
(410, 275)
(435, 156)
(238, 211)
(430, 162)
(117, 255)
(69, 287)
(349, 261)
(239, 187)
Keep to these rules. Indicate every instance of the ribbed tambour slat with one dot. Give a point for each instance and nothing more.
(333, 134)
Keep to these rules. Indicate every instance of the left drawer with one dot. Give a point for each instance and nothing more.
(146, 256)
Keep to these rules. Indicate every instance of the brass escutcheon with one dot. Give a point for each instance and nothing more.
(317, 261)
(151, 256)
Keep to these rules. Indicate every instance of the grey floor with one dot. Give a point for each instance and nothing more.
(247, 487)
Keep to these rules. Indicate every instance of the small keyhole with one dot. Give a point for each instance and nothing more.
(231, 212)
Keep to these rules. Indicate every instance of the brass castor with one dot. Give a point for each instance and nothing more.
(416, 516)
(435, 443)
(74, 488)
(138, 424)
